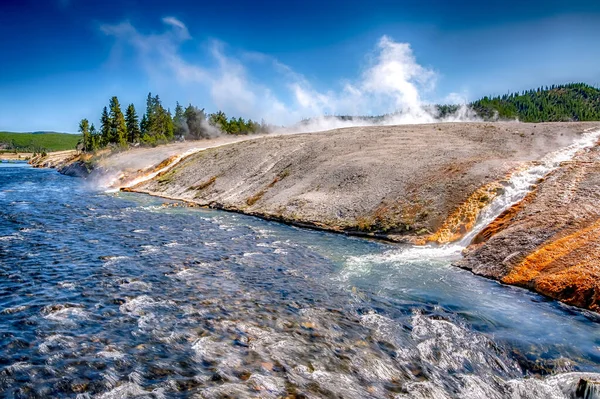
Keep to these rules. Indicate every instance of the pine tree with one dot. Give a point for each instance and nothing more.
(95, 138)
(219, 120)
(133, 126)
(144, 125)
(105, 124)
(157, 121)
(118, 128)
(84, 129)
(195, 119)
(180, 127)
(150, 125)
(167, 124)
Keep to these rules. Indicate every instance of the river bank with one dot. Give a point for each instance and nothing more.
(414, 184)
(6, 156)
(417, 184)
(116, 168)
(550, 241)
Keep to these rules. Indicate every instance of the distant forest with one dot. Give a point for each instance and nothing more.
(556, 103)
(158, 125)
(570, 102)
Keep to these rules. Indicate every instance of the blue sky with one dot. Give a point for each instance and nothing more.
(285, 60)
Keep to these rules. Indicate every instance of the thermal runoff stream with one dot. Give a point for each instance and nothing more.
(117, 295)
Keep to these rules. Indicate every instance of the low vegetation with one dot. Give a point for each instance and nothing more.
(38, 142)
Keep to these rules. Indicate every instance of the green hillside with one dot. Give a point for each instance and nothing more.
(38, 141)
(570, 102)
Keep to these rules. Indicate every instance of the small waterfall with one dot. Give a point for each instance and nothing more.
(520, 183)
(515, 189)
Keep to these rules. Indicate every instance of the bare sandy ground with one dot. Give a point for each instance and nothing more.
(11, 156)
(144, 157)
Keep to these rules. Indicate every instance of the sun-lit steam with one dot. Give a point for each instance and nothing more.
(195, 126)
(393, 83)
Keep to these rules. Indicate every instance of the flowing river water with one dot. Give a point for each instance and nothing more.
(114, 295)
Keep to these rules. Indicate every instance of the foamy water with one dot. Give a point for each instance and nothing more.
(521, 182)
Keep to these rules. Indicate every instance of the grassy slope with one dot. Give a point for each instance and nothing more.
(38, 141)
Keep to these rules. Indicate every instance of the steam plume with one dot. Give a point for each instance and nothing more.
(392, 84)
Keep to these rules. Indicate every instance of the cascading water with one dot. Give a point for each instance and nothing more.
(520, 183)
(407, 269)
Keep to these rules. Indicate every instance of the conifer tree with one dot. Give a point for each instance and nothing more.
(149, 121)
(157, 122)
(118, 128)
(195, 120)
(84, 129)
(180, 128)
(219, 120)
(167, 124)
(105, 124)
(95, 138)
(144, 126)
(133, 125)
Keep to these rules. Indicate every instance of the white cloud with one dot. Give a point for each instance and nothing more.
(180, 26)
(392, 82)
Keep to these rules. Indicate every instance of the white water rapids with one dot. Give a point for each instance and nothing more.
(396, 269)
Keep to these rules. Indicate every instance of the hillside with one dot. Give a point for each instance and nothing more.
(38, 141)
(402, 182)
(563, 103)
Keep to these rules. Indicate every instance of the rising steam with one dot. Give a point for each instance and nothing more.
(392, 84)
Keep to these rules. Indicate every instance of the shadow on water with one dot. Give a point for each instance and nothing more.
(118, 296)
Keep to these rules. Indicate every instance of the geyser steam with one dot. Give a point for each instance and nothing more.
(392, 83)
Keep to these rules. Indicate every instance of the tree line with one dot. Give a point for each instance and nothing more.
(556, 103)
(158, 125)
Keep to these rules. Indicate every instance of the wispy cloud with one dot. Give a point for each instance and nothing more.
(179, 26)
(392, 81)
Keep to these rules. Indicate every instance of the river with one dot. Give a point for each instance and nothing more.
(117, 295)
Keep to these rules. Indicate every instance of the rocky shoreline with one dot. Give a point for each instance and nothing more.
(415, 184)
